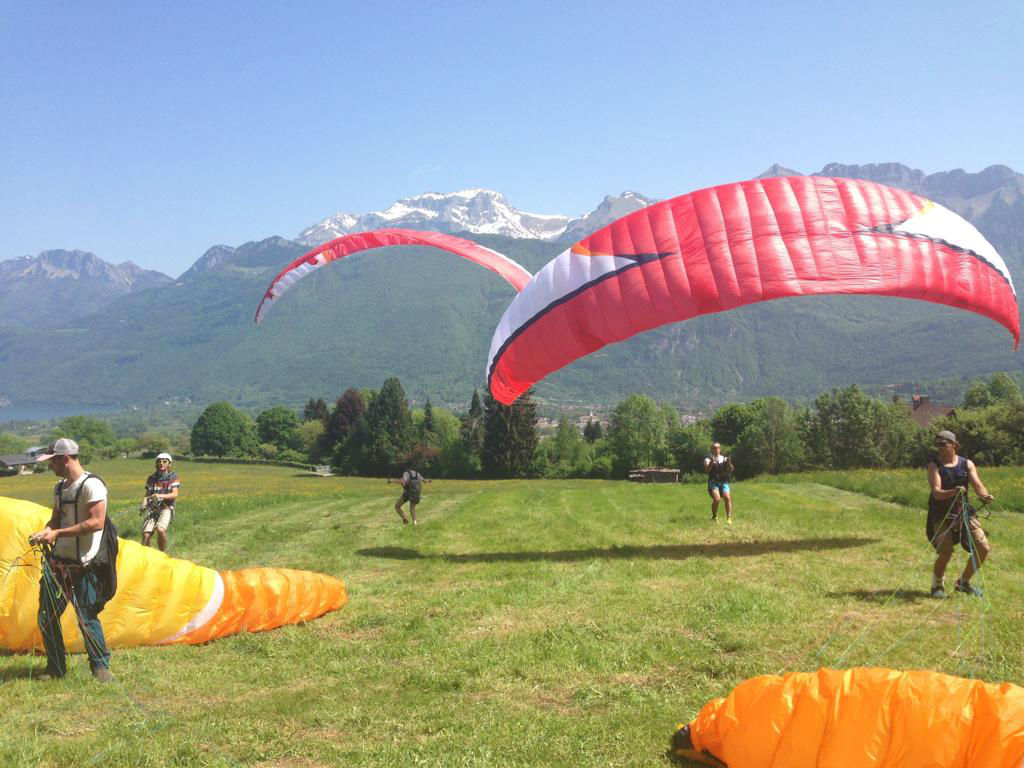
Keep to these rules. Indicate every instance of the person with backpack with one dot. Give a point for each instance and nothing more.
(158, 505)
(412, 484)
(719, 469)
(951, 518)
(79, 562)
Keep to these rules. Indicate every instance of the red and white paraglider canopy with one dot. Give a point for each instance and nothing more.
(347, 245)
(723, 247)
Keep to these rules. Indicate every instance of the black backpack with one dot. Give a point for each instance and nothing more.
(104, 565)
(414, 486)
(721, 472)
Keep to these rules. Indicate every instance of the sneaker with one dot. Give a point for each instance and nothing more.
(939, 592)
(46, 677)
(967, 589)
(102, 675)
(728, 521)
(714, 518)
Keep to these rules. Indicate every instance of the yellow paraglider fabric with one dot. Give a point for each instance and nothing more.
(160, 599)
(864, 718)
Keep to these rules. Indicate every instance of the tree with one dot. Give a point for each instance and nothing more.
(689, 445)
(383, 436)
(316, 410)
(223, 430)
(452, 459)
(279, 426)
(977, 395)
(592, 431)
(428, 418)
(125, 445)
(1004, 390)
(849, 429)
(310, 433)
(729, 421)
(510, 436)
(472, 429)
(348, 409)
(87, 429)
(771, 442)
(637, 434)
(152, 443)
(566, 453)
(12, 443)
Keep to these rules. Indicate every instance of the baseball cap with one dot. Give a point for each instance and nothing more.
(947, 435)
(65, 446)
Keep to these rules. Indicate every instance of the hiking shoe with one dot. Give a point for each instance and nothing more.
(939, 592)
(967, 589)
(46, 677)
(102, 675)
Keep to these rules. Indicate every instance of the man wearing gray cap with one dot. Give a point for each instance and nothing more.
(76, 534)
(951, 520)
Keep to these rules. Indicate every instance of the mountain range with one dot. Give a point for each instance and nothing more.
(56, 287)
(478, 212)
(140, 337)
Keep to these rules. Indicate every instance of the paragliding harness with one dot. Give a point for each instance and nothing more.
(414, 486)
(151, 506)
(104, 565)
(955, 513)
(720, 471)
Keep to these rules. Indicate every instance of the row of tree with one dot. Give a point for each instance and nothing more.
(375, 432)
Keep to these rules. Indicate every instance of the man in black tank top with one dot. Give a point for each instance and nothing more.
(950, 518)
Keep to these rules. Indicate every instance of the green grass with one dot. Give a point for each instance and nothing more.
(910, 486)
(523, 623)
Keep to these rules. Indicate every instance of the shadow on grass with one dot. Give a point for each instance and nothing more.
(656, 552)
(884, 595)
(13, 674)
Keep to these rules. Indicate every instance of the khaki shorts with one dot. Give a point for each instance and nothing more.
(945, 542)
(162, 521)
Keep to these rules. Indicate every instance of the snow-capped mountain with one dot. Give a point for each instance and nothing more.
(479, 211)
(610, 209)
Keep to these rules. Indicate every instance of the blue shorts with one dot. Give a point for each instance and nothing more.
(723, 488)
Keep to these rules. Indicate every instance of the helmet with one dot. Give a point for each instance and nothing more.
(163, 457)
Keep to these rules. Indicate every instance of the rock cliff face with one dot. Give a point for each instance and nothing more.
(56, 287)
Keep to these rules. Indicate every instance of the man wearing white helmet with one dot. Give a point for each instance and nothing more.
(158, 506)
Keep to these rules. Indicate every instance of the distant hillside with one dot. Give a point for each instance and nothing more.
(57, 287)
(428, 318)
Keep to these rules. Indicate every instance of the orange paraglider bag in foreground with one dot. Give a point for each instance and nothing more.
(859, 718)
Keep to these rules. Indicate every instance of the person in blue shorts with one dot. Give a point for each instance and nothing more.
(719, 470)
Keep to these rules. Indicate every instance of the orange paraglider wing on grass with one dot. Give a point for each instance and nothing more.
(862, 718)
(160, 600)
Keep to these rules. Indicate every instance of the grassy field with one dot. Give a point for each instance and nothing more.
(522, 623)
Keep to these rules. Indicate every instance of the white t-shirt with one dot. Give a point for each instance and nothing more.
(80, 548)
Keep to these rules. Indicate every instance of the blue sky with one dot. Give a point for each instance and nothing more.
(151, 131)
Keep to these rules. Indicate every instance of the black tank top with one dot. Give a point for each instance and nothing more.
(953, 477)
